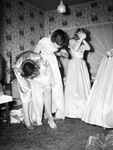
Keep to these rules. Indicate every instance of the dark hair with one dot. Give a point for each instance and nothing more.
(75, 36)
(60, 38)
(28, 68)
(88, 38)
(81, 30)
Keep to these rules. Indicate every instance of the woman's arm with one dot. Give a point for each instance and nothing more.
(38, 47)
(62, 53)
(78, 43)
(87, 47)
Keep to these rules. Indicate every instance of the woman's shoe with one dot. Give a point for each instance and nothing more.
(45, 116)
(29, 127)
(34, 123)
(52, 125)
(39, 123)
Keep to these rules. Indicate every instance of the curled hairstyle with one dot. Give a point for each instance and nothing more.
(29, 69)
(60, 38)
(81, 30)
(76, 37)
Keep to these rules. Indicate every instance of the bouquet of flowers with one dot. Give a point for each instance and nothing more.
(110, 53)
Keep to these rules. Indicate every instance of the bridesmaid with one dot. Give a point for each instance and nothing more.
(47, 47)
(77, 86)
(35, 83)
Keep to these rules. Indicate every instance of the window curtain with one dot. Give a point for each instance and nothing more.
(101, 37)
(101, 40)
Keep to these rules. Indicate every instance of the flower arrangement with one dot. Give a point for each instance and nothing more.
(100, 142)
(110, 53)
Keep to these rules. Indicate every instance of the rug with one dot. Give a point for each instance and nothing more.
(71, 134)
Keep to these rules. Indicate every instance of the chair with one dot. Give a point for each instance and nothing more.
(4, 100)
(15, 93)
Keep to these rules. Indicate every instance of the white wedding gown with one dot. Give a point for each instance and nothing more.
(47, 53)
(77, 86)
(99, 108)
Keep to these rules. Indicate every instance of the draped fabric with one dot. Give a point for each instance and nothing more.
(99, 107)
(101, 38)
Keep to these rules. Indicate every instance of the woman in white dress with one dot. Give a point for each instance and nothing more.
(99, 108)
(35, 82)
(77, 86)
(47, 46)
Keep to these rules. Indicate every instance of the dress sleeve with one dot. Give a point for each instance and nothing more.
(39, 47)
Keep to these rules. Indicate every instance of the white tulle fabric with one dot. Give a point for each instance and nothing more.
(99, 108)
(77, 86)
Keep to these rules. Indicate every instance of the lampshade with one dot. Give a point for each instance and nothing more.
(61, 8)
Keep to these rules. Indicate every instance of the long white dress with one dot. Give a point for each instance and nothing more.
(47, 52)
(99, 108)
(77, 86)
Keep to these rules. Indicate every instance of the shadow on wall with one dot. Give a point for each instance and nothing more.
(88, 39)
(85, 58)
(2, 69)
(2, 11)
(2, 60)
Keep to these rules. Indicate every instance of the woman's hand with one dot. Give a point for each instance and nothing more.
(18, 70)
(83, 36)
(58, 53)
(52, 81)
(64, 53)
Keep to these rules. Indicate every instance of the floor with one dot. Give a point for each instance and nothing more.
(71, 134)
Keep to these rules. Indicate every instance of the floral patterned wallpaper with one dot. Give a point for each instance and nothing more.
(21, 26)
(98, 12)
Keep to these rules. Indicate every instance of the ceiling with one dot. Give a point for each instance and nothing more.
(47, 5)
